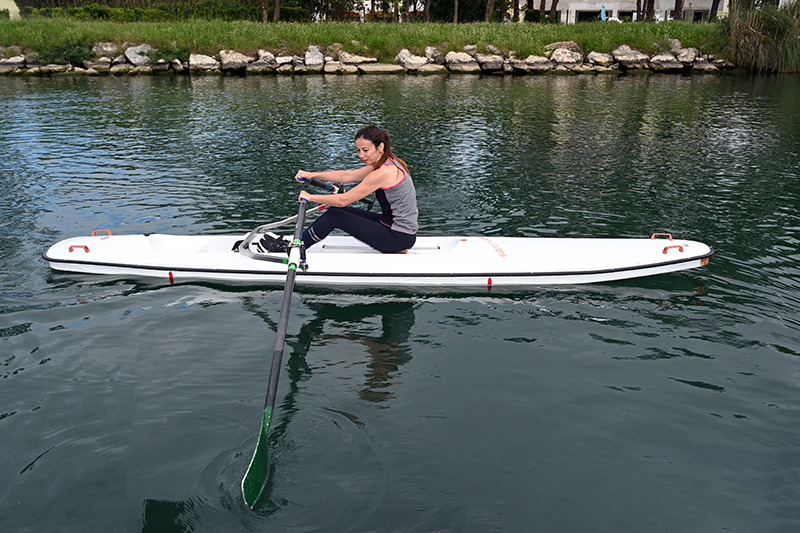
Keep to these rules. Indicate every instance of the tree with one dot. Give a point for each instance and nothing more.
(264, 11)
(489, 9)
(455, 13)
(712, 16)
(650, 10)
(553, 10)
(677, 11)
(277, 14)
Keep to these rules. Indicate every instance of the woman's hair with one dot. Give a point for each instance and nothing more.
(377, 136)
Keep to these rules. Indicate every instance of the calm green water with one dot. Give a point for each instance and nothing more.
(661, 404)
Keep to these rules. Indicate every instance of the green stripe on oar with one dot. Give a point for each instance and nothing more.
(255, 478)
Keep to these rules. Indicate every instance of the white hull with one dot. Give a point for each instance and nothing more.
(344, 261)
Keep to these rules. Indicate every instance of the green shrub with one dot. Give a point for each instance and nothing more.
(5, 14)
(533, 15)
(120, 14)
(72, 51)
(160, 11)
(47, 12)
(292, 14)
(98, 12)
(154, 15)
(168, 53)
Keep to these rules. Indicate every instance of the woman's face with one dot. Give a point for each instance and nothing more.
(368, 152)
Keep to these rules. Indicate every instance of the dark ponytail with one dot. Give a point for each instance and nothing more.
(377, 136)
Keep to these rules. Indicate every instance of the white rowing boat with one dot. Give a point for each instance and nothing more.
(478, 262)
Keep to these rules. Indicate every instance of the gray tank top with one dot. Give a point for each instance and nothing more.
(399, 203)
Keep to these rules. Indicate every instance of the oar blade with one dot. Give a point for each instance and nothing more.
(255, 479)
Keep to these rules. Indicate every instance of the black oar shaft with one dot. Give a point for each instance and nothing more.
(333, 188)
(283, 322)
(256, 476)
(322, 185)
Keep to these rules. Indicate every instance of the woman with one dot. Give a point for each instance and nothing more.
(391, 231)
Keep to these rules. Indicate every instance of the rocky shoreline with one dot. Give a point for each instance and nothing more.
(566, 56)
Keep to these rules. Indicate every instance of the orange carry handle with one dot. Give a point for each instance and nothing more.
(653, 236)
(85, 248)
(678, 246)
(94, 233)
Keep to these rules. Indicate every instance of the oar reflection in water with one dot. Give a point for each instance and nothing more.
(276, 438)
(388, 351)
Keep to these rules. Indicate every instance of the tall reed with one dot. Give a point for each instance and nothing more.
(764, 38)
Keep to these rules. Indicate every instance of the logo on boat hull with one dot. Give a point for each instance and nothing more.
(496, 247)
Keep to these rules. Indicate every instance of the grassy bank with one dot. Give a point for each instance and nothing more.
(383, 41)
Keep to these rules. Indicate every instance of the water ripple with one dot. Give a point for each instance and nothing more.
(657, 391)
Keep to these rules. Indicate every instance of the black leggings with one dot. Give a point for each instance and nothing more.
(361, 224)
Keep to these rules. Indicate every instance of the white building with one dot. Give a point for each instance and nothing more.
(13, 10)
(572, 11)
